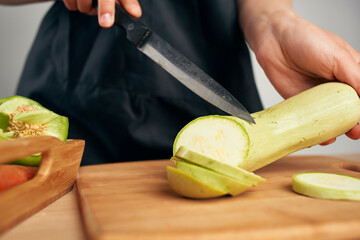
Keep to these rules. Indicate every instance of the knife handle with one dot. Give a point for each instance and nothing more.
(136, 31)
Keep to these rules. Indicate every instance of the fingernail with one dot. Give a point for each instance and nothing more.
(106, 20)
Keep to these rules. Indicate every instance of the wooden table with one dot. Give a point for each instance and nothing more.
(62, 220)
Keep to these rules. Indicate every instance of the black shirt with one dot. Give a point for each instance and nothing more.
(121, 103)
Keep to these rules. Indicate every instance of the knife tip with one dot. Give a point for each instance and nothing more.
(251, 120)
(247, 118)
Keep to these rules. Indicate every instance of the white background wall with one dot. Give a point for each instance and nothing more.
(18, 26)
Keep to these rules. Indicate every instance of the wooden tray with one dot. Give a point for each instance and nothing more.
(133, 201)
(54, 178)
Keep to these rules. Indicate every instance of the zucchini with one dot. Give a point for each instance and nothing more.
(212, 164)
(197, 176)
(217, 137)
(190, 187)
(327, 185)
(304, 120)
(217, 180)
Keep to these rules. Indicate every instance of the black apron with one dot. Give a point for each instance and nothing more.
(121, 103)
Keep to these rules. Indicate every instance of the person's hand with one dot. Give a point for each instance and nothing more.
(296, 55)
(106, 9)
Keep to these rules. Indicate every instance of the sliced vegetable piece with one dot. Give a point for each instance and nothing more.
(188, 186)
(327, 185)
(219, 167)
(226, 184)
(216, 137)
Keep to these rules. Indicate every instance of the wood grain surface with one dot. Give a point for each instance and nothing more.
(133, 201)
(58, 221)
(54, 178)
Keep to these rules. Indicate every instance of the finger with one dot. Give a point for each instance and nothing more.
(85, 6)
(328, 142)
(132, 7)
(106, 10)
(346, 69)
(354, 133)
(93, 12)
(70, 5)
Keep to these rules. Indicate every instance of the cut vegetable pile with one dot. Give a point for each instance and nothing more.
(22, 117)
(307, 119)
(198, 176)
(327, 185)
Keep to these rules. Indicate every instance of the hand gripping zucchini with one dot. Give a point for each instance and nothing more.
(22, 117)
(304, 120)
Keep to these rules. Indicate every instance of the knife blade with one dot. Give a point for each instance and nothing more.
(179, 66)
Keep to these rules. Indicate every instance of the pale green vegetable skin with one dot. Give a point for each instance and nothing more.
(218, 181)
(327, 185)
(57, 125)
(304, 120)
(219, 167)
(180, 182)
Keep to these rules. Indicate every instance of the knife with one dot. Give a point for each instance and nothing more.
(178, 65)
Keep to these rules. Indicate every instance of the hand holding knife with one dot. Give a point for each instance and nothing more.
(178, 65)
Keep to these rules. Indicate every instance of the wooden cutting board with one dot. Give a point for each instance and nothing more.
(133, 201)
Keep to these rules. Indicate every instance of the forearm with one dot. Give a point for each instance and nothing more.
(19, 2)
(256, 15)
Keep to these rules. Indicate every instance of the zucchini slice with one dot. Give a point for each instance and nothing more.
(327, 185)
(224, 183)
(240, 174)
(190, 187)
(216, 137)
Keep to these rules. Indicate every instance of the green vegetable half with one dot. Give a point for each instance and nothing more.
(22, 117)
(327, 185)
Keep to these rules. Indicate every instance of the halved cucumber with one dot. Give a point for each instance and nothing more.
(327, 185)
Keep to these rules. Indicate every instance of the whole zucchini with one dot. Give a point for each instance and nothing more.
(304, 120)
